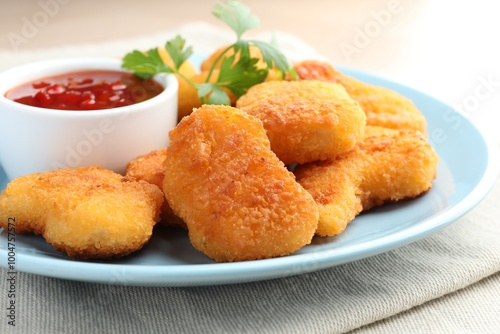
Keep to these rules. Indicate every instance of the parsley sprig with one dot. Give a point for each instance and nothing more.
(238, 70)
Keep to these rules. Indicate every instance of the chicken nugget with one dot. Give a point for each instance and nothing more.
(149, 167)
(87, 212)
(305, 120)
(386, 166)
(383, 107)
(237, 198)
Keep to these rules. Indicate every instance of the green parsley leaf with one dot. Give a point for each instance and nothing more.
(237, 16)
(214, 93)
(243, 48)
(272, 56)
(237, 72)
(218, 96)
(145, 65)
(240, 76)
(177, 50)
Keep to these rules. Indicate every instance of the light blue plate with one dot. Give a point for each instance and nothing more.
(467, 169)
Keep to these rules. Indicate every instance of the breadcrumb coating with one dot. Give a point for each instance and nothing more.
(388, 165)
(88, 212)
(237, 198)
(149, 167)
(383, 107)
(305, 120)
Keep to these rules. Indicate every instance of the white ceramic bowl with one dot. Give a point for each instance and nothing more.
(36, 139)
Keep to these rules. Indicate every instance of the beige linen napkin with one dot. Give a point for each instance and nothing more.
(333, 300)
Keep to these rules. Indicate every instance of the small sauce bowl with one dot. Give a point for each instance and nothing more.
(34, 139)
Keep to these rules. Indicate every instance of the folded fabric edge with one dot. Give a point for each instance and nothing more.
(423, 303)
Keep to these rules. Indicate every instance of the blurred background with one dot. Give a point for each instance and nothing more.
(446, 48)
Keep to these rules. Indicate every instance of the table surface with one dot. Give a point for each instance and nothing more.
(445, 48)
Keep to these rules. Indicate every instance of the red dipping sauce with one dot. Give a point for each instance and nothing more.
(86, 90)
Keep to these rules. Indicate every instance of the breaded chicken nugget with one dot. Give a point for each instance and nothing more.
(238, 200)
(305, 120)
(88, 212)
(383, 107)
(149, 167)
(387, 165)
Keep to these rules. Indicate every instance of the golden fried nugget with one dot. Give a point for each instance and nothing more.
(237, 198)
(88, 212)
(383, 107)
(387, 165)
(305, 120)
(149, 167)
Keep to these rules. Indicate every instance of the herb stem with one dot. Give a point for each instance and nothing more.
(219, 57)
(188, 80)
